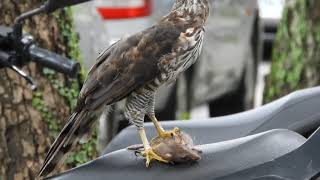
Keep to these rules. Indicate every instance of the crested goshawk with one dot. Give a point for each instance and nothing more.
(134, 68)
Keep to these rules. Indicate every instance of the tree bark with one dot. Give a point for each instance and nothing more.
(296, 56)
(29, 120)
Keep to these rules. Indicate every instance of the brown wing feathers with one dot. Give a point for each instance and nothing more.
(126, 66)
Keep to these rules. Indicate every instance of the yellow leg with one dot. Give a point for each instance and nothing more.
(161, 131)
(148, 153)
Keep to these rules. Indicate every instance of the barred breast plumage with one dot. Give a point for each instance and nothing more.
(182, 61)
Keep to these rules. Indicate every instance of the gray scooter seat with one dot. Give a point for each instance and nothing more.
(298, 111)
(218, 160)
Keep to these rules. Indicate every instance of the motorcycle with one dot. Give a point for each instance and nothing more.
(17, 47)
(266, 143)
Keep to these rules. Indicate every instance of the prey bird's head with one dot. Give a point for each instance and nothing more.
(193, 8)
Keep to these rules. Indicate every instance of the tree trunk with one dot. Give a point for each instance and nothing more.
(30, 120)
(296, 56)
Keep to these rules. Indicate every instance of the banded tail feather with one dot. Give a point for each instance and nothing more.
(78, 125)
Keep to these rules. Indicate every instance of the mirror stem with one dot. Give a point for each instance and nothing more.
(28, 14)
(18, 22)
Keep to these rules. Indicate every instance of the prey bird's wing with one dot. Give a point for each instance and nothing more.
(124, 67)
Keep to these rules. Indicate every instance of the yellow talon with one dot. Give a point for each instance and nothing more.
(174, 132)
(161, 132)
(149, 154)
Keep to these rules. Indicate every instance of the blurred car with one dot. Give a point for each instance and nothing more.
(226, 71)
(270, 14)
(224, 76)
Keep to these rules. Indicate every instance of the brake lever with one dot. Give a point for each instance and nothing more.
(5, 62)
(28, 78)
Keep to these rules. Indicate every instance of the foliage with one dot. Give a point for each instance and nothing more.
(185, 116)
(295, 59)
(86, 152)
(38, 104)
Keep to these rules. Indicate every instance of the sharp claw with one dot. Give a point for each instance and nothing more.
(137, 153)
(149, 154)
(147, 163)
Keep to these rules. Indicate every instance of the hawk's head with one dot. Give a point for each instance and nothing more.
(192, 8)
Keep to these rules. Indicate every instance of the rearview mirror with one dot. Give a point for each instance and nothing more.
(52, 5)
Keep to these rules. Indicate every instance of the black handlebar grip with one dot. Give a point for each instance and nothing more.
(54, 61)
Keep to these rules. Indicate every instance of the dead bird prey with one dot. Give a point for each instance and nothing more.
(178, 148)
(134, 68)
